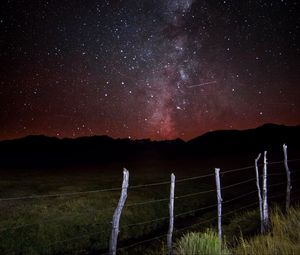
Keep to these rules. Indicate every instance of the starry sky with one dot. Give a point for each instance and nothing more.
(158, 69)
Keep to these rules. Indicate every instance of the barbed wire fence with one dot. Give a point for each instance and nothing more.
(178, 215)
(218, 205)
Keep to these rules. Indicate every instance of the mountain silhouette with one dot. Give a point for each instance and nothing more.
(39, 150)
(265, 137)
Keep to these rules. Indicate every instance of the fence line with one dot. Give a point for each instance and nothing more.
(191, 211)
(215, 217)
(227, 213)
(143, 203)
(164, 235)
(156, 201)
(177, 230)
(129, 205)
(106, 209)
(135, 186)
(198, 223)
(127, 225)
(134, 204)
(199, 209)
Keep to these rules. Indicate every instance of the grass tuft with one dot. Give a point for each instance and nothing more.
(200, 243)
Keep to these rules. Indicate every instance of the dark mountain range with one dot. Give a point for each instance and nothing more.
(50, 151)
(264, 137)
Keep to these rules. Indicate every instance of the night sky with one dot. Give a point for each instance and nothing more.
(158, 69)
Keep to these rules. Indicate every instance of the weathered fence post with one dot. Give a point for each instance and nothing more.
(265, 198)
(259, 195)
(117, 214)
(171, 211)
(219, 197)
(288, 177)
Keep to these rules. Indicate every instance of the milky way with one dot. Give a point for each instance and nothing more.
(157, 69)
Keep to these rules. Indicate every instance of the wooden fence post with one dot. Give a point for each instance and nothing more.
(288, 177)
(219, 197)
(265, 198)
(259, 195)
(117, 214)
(171, 211)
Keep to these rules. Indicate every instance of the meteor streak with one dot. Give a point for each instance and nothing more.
(202, 84)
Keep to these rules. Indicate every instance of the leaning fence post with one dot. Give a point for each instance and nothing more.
(171, 211)
(288, 177)
(219, 197)
(265, 199)
(117, 214)
(259, 195)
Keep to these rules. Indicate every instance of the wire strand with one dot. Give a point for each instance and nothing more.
(194, 194)
(194, 178)
(147, 202)
(238, 197)
(149, 185)
(196, 210)
(146, 222)
(238, 183)
(236, 169)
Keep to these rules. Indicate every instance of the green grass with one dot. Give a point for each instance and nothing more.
(206, 243)
(283, 238)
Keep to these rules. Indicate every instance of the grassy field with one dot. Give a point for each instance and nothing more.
(80, 224)
(38, 226)
(282, 237)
